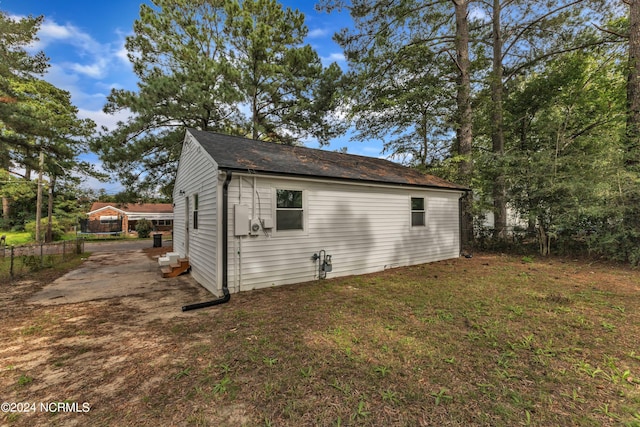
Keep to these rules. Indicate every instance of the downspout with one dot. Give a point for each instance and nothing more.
(463, 233)
(460, 223)
(225, 256)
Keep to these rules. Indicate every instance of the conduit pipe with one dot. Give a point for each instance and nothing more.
(225, 257)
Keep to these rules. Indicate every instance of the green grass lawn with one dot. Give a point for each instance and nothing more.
(14, 238)
(487, 341)
(23, 237)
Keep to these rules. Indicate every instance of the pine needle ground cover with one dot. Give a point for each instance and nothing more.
(492, 340)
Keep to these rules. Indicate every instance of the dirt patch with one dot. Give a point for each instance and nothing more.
(88, 335)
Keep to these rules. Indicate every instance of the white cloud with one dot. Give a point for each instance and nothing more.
(60, 75)
(84, 66)
(333, 57)
(120, 51)
(110, 187)
(90, 57)
(122, 54)
(52, 31)
(318, 32)
(96, 70)
(103, 119)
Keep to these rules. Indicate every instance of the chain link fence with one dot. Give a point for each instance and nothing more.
(19, 260)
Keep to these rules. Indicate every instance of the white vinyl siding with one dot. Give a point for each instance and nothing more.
(197, 176)
(364, 228)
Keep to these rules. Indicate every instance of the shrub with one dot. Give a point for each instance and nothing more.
(56, 229)
(144, 228)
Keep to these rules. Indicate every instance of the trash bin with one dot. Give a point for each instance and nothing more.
(157, 240)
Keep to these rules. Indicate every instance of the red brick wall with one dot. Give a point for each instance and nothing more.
(111, 212)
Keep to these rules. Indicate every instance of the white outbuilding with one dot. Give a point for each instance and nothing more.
(251, 214)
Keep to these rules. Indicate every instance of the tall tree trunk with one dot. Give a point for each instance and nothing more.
(49, 235)
(497, 125)
(544, 240)
(5, 164)
(39, 197)
(27, 167)
(632, 155)
(6, 210)
(254, 117)
(631, 216)
(464, 113)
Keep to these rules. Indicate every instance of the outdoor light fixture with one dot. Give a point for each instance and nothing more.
(181, 192)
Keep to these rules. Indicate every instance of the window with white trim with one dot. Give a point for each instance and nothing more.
(418, 212)
(289, 210)
(195, 211)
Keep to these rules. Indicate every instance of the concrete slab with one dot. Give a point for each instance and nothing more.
(106, 274)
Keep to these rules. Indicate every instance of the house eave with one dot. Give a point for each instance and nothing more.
(311, 177)
(105, 208)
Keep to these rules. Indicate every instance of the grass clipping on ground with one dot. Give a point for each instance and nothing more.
(491, 340)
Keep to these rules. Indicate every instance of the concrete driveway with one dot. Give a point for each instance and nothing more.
(114, 269)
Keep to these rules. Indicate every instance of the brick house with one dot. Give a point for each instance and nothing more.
(104, 214)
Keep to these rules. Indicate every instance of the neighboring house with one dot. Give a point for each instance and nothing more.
(252, 214)
(514, 221)
(108, 216)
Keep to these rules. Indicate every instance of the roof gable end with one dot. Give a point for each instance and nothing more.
(98, 207)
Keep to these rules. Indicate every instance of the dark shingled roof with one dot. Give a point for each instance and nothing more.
(242, 154)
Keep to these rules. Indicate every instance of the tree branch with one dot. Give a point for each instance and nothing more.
(534, 22)
(550, 54)
(605, 30)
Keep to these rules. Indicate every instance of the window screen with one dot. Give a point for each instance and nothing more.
(417, 212)
(289, 210)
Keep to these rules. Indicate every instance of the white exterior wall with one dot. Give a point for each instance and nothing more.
(197, 174)
(513, 220)
(364, 228)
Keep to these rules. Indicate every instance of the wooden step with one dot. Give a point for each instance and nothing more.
(175, 269)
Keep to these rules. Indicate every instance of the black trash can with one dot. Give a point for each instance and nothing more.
(157, 240)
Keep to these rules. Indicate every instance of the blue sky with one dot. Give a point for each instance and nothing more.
(85, 43)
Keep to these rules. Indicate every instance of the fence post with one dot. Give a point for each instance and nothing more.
(11, 264)
(41, 255)
(64, 249)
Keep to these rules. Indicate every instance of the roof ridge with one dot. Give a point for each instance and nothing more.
(304, 147)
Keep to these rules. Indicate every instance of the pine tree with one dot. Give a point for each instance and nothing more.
(410, 81)
(203, 64)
